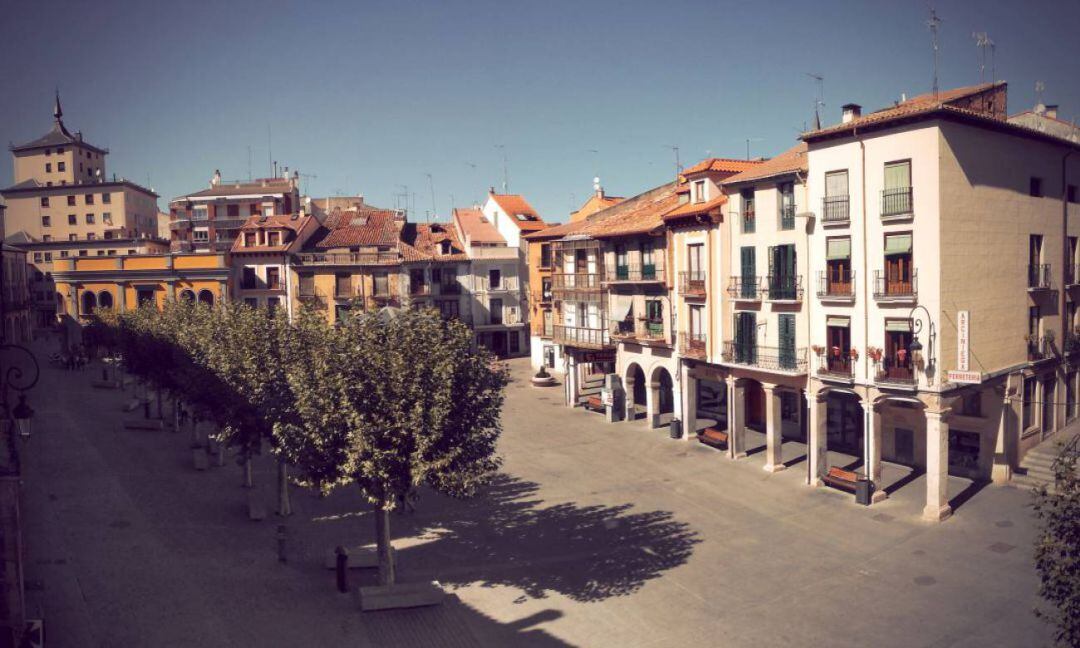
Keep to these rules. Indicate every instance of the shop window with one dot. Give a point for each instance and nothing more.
(963, 449)
(1028, 406)
(971, 404)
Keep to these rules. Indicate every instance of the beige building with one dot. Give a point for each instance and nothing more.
(261, 257)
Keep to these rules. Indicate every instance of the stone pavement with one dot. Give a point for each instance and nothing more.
(594, 535)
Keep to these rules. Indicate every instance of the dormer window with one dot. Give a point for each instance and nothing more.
(699, 191)
(274, 239)
(249, 239)
(445, 247)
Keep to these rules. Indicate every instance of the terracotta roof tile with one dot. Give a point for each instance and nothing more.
(282, 221)
(790, 161)
(476, 227)
(728, 165)
(423, 242)
(595, 203)
(264, 186)
(641, 214)
(366, 227)
(515, 205)
(693, 209)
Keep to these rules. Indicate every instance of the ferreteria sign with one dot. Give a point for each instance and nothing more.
(965, 377)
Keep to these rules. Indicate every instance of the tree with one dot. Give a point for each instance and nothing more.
(399, 400)
(1057, 548)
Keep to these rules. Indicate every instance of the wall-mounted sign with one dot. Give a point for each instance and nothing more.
(970, 377)
(963, 324)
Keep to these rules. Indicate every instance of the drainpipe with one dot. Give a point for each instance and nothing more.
(865, 255)
(1064, 242)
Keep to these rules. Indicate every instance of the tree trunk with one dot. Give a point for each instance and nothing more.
(220, 453)
(284, 507)
(248, 482)
(176, 414)
(382, 542)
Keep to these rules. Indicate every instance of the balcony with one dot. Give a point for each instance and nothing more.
(786, 360)
(785, 288)
(895, 289)
(1070, 276)
(383, 299)
(834, 210)
(635, 273)
(1038, 348)
(349, 258)
(745, 288)
(692, 284)
(840, 288)
(579, 336)
(419, 289)
(896, 203)
(180, 224)
(576, 282)
(836, 366)
(640, 331)
(896, 373)
(787, 217)
(226, 222)
(693, 345)
(1039, 277)
(450, 288)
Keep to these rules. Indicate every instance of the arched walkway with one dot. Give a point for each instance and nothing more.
(88, 303)
(661, 403)
(105, 299)
(636, 390)
(206, 297)
(187, 295)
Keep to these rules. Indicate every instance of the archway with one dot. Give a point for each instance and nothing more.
(844, 423)
(206, 297)
(105, 299)
(636, 391)
(187, 295)
(89, 303)
(662, 390)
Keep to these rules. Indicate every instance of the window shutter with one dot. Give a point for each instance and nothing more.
(898, 175)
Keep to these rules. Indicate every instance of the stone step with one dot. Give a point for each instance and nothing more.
(360, 557)
(403, 595)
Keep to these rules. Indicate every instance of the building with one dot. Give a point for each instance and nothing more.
(127, 282)
(261, 257)
(1045, 119)
(496, 283)
(209, 220)
(952, 349)
(16, 294)
(62, 204)
(435, 264)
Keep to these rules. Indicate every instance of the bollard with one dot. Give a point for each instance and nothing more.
(342, 565)
(281, 543)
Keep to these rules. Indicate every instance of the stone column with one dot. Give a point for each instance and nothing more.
(937, 467)
(631, 406)
(817, 438)
(652, 403)
(774, 440)
(874, 438)
(690, 405)
(736, 418)
(1007, 430)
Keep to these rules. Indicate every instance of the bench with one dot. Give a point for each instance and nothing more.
(594, 403)
(842, 479)
(714, 437)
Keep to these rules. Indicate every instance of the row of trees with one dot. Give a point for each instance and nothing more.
(387, 401)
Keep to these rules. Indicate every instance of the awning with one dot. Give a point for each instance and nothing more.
(900, 326)
(621, 307)
(838, 321)
(838, 249)
(898, 244)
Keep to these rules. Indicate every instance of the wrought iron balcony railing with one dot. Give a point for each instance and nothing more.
(1038, 348)
(896, 371)
(692, 284)
(785, 287)
(888, 287)
(693, 345)
(896, 201)
(834, 209)
(840, 286)
(576, 281)
(838, 365)
(787, 217)
(1039, 277)
(787, 359)
(580, 336)
(635, 272)
(745, 288)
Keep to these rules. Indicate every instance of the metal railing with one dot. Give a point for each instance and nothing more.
(1039, 276)
(744, 287)
(692, 283)
(785, 287)
(576, 281)
(180, 223)
(349, 258)
(581, 336)
(896, 201)
(836, 287)
(635, 272)
(770, 358)
(693, 344)
(837, 366)
(1038, 348)
(834, 209)
(896, 371)
(643, 330)
(886, 287)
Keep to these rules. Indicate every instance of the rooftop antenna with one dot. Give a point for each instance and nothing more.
(306, 177)
(933, 23)
(1039, 87)
(402, 197)
(678, 164)
(748, 140)
(596, 167)
(506, 181)
(431, 185)
(983, 42)
(819, 103)
(269, 150)
(249, 163)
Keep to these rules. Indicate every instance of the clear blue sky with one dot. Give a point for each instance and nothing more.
(368, 96)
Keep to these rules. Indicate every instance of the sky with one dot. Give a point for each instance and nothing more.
(375, 97)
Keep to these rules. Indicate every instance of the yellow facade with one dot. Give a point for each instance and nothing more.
(333, 299)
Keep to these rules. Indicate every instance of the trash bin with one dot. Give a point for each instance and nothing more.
(676, 428)
(864, 490)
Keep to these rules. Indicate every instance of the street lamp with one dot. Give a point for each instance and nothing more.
(23, 415)
(916, 347)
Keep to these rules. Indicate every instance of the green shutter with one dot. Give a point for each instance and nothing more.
(897, 244)
(748, 262)
(838, 249)
(787, 341)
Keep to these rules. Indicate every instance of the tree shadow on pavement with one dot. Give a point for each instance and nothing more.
(506, 536)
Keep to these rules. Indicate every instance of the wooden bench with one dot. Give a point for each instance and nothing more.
(842, 479)
(714, 437)
(594, 403)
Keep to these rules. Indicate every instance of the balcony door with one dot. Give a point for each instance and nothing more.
(838, 349)
(745, 338)
(782, 272)
(897, 360)
(898, 271)
(838, 258)
(648, 262)
(747, 278)
(622, 263)
(787, 340)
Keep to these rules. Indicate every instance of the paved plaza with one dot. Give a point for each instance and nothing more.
(595, 534)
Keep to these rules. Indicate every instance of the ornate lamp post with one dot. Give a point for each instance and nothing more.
(13, 376)
(925, 364)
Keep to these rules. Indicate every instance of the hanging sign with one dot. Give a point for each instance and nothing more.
(962, 330)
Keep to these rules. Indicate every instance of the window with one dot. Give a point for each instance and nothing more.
(71, 201)
(654, 317)
(549, 323)
(748, 212)
(89, 198)
(46, 238)
(106, 198)
(48, 167)
(971, 404)
(897, 279)
(61, 167)
(648, 261)
(84, 252)
(200, 213)
(37, 257)
(838, 345)
(89, 219)
(90, 236)
(896, 363)
(1035, 187)
(494, 279)
(1028, 406)
(545, 255)
(495, 310)
(382, 284)
(783, 282)
(63, 254)
(249, 279)
(273, 239)
(108, 235)
(73, 219)
(233, 210)
(48, 257)
(60, 150)
(106, 217)
(48, 151)
(896, 196)
(268, 209)
(272, 304)
(448, 308)
(273, 278)
(249, 239)
(46, 221)
(200, 236)
(748, 273)
(786, 196)
(699, 191)
(837, 279)
(251, 302)
(112, 253)
(835, 207)
(73, 237)
(101, 252)
(44, 201)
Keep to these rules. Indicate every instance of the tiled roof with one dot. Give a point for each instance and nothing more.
(58, 136)
(423, 242)
(595, 203)
(721, 164)
(561, 230)
(790, 161)
(693, 209)
(265, 186)
(369, 227)
(641, 214)
(515, 205)
(476, 227)
(281, 221)
(920, 104)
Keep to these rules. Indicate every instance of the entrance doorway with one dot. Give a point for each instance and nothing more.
(755, 405)
(638, 390)
(712, 402)
(844, 424)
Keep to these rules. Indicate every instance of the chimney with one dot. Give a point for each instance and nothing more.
(851, 111)
(491, 190)
(216, 180)
(1051, 111)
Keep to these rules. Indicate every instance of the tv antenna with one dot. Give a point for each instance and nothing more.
(678, 164)
(1039, 87)
(431, 185)
(983, 42)
(306, 177)
(819, 103)
(748, 140)
(401, 198)
(506, 181)
(933, 23)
